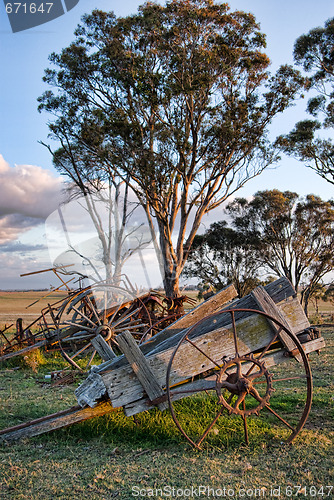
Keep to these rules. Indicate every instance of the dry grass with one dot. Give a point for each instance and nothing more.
(15, 305)
(114, 456)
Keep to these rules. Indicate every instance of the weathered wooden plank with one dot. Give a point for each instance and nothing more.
(271, 359)
(292, 309)
(123, 386)
(54, 421)
(212, 305)
(265, 303)
(253, 334)
(103, 348)
(140, 367)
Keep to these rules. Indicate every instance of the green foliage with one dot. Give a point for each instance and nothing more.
(274, 232)
(314, 51)
(176, 100)
(223, 255)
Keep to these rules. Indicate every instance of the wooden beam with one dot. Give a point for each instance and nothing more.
(266, 304)
(140, 366)
(103, 348)
(55, 421)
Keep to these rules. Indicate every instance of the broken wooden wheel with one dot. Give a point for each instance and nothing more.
(258, 381)
(93, 317)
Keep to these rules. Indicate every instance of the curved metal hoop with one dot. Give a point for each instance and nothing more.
(174, 390)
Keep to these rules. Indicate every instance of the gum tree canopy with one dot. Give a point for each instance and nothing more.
(176, 100)
(315, 53)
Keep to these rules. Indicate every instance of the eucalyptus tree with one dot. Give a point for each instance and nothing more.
(223, 255)
(292, 236)
(314, 51)
(177, 101)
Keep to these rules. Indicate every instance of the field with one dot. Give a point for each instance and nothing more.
(118, 457)
(25, 305)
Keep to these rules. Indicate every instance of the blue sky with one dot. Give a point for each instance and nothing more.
(29, 187)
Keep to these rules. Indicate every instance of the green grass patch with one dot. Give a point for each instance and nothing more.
(109, 457)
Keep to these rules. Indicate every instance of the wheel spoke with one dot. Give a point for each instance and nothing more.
(131, 327)
(78, 337)
(300, 377)
(83, 327)
(208, 429)
(265, 350)
(124, 318)
(241, 399)
(111, 319)
(257, 374)
(90, 359)
(245, 423)
(279, 417)
(234, 334)
(238, 369)
(81, 350)
(84, 316)
(200, 350)
(93, 310)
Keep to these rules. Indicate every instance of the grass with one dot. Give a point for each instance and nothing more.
(114, 456)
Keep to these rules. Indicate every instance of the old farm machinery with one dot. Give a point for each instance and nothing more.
(83, 325)
(247, 359)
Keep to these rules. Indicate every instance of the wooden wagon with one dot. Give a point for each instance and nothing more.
(246, 358)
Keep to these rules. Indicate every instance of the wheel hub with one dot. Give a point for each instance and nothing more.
(105, 331)
(239, 376)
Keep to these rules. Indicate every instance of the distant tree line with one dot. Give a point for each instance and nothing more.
(273, 234)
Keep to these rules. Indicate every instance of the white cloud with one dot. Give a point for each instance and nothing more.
(12, 225)
(28, 190)
(28, 194)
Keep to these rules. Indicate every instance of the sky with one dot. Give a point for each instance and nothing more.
(31, 189)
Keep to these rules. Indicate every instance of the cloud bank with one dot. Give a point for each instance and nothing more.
(28, 194)
(28, 190)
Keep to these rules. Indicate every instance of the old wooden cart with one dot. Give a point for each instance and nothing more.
(248, 359)
(74, 324)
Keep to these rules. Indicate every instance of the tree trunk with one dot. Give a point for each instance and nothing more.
(171, 285)
(306, 299)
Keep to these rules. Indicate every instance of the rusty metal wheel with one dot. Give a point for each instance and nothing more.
(221, 381)
(104, 310)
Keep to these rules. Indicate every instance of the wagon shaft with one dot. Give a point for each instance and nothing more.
(55, 421)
